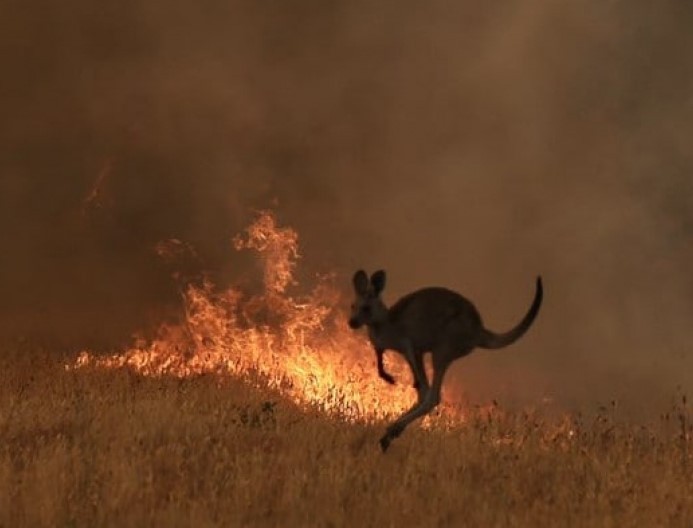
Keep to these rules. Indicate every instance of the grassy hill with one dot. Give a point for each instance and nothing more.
(112, 448)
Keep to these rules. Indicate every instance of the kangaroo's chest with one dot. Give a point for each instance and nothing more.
(390, 339)
(377, 338)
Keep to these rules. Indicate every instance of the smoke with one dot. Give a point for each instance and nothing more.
(462, 144)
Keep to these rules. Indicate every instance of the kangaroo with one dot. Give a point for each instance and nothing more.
(435, 320)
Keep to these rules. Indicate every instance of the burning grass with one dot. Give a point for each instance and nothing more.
(297, 344)
(265, 410)
(96, 447)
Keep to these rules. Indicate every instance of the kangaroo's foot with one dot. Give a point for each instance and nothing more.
(385, 443)
(392, 432)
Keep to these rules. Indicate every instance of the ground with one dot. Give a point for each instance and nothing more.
(112, 448)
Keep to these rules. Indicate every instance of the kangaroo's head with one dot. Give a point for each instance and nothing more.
(368, 308)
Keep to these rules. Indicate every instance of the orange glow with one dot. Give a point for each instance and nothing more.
(95, 197)
(298, 344)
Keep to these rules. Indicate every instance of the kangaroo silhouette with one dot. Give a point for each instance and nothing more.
(435, 320)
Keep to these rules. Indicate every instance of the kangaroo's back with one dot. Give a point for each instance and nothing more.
(429, 315)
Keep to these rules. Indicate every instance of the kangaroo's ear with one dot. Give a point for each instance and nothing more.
(360, 281)
(378, 281)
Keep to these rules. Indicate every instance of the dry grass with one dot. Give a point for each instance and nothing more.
(114, 449)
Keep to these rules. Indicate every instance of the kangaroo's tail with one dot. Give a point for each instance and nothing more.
(492, 340)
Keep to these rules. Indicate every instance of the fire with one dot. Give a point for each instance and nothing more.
(297, 344)
(95, 197)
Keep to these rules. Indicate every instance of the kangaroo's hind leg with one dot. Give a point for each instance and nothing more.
(441, 361)
(415, 361)
(420, 378)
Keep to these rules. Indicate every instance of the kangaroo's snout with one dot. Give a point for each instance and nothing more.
(367, 308)
(354, 323)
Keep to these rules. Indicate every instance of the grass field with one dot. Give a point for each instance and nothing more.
(112, 448)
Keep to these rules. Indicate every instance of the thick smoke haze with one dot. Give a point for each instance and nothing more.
(465, 144)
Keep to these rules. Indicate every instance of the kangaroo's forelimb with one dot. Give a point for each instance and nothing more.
(381, 367)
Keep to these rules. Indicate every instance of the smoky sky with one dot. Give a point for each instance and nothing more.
(465, 144)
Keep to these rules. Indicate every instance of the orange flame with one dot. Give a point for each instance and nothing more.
(96, 196)
(299, 345)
